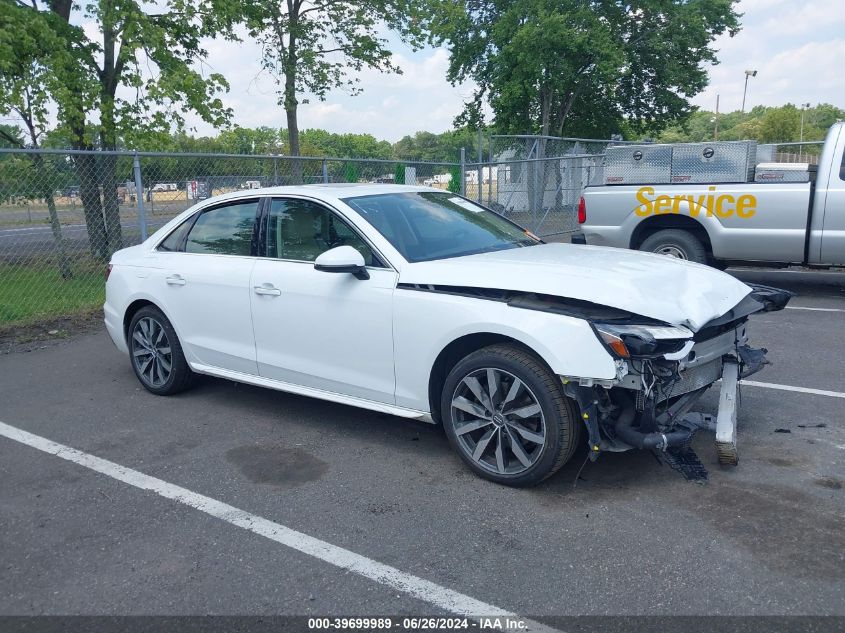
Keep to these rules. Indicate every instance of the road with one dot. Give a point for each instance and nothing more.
(24, 242)
(632, 538)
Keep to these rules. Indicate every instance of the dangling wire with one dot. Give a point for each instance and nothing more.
(580, 470)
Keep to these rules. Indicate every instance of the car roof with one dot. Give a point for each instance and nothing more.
(327, 190)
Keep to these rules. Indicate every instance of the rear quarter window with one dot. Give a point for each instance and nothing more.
(173, 242)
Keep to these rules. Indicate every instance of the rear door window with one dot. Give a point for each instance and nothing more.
(224, 230)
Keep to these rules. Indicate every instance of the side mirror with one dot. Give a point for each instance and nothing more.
(342, 259)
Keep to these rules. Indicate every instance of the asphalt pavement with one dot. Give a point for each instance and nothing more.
(631, 538)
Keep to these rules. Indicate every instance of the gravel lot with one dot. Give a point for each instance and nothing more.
(633, 538)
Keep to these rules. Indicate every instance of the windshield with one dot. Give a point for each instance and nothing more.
(426, 225)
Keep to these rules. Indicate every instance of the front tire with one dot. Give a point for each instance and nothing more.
(156, 354)
(676, 243)
(505, 413)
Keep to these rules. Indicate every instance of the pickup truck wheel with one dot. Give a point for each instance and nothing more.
(507, 417)
(676, 243)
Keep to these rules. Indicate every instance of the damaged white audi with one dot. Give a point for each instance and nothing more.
(422, 304)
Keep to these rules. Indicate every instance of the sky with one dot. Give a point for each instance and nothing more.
(797, 48)
(390, 106)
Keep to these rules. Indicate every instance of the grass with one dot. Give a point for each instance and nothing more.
(29, 293)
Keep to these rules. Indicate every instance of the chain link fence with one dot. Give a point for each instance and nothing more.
(63, 213)
(798, 152)
(535, 180)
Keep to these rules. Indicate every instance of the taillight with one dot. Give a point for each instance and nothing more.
(582, 210)
(108, 271)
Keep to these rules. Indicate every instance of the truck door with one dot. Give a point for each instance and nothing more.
(831, 202)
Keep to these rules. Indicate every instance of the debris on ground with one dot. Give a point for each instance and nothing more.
(49, 331)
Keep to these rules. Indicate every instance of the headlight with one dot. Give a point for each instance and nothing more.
(625, 341)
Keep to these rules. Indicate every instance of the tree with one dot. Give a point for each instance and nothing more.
(425, 146)
(135, 75)
(309, 47)
(583, 67)
(22, 93)
(322, 143)
(780, 124)
(399, 174)
(455, 179)
(764, 124)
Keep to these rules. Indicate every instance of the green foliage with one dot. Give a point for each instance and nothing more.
(55, 296)
(455, 182)
(10, 137)
(149, 50)
(763, 124)
(322, 143)
(309, 48)
(113, 71)
(426, 146)
(780, 123)
(580, 68)
(350, 172)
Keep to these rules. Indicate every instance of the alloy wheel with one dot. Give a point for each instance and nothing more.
(151, 352)
(498, 421)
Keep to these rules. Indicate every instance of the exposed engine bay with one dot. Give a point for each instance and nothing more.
(662, 370)
(660, 378)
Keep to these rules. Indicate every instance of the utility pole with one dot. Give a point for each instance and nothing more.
(716, 121)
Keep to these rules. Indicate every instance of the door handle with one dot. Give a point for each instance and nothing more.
(175, 280)
(267, 289)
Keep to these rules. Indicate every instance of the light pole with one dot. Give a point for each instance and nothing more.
(804, 107)
(748, 73)
(715, 121)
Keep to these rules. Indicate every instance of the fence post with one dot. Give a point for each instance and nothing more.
(490, 170)
(463, 171)
(325, 172)
(139, 197)
(480, 184)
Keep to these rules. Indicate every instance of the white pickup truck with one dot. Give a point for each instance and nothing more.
(768, 222)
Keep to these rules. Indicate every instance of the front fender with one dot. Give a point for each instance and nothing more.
(425, 323)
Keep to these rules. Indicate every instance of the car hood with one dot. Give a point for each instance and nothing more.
(655, 286)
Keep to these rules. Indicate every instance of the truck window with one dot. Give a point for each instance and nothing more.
(842, 168)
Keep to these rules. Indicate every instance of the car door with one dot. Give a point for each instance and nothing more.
(202, 279)
(324, 330)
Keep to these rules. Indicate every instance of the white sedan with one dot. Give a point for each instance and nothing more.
(422, 304)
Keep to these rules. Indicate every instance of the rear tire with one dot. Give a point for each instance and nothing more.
(520, 430)
(156, 354)
(676, 243)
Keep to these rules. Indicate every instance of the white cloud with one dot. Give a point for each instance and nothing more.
(389, 107)
(797, 49)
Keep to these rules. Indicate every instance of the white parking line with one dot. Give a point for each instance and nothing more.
(816, 392)
(815, 309)
(427, 591)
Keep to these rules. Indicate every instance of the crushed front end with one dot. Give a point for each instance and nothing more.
(662, 371)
